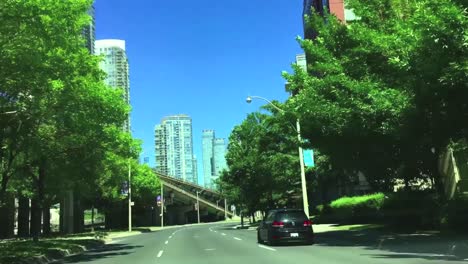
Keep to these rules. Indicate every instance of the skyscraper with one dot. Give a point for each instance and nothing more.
(219, 157)
(174, 148)
(89, 32)
(195, 169)
(208, 137)
(115, 65)
(214, 157)
(335, 7)
(301, 61)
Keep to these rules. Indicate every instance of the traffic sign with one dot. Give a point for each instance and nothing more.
(308, 155)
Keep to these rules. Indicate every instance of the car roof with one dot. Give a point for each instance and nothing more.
(286, 210)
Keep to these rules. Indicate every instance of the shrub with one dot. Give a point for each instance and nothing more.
(412, 209)
(457, 214)
(358, 209)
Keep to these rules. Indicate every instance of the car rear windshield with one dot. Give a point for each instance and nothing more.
(291, 215)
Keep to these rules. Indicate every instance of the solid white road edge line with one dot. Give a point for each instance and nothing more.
(265, 247)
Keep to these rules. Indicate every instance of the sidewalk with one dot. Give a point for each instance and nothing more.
(426, 244)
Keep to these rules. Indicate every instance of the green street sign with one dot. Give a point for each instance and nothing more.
(308, 155)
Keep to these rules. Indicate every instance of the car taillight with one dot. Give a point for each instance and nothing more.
(307, 223)
(277, 224)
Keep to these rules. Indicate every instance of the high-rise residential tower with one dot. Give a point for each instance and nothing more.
(208, 137)
(335, 7)
(214, 157)
(219, 156)
(115, 65)
(89, 31)
(174, 148)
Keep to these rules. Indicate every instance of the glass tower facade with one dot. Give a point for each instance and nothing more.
(115, 65)
(208, 137)
(89, 32)
(174, 148)
(219, 156)
(214, 157)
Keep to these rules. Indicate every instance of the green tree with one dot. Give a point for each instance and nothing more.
(263, 163)
(61, 126)
(383, 91)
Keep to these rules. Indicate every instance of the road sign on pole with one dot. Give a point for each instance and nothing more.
(308, 157)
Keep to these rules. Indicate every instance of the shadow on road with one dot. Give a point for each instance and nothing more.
(399, 245)
(104, 251)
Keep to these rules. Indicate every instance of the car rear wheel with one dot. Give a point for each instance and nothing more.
(270, 240)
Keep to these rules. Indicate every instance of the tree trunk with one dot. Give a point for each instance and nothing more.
(7, 216)
(61, 217)
(23, 216)
(92, 218)
(36, 215)
(78, 215)
(242, 219)
(253, 217)
(37, 203)
(46, 220)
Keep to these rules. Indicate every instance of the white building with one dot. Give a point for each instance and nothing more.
(174, 148)
(115, 65)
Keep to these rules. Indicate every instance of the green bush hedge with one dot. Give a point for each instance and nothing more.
(401, 209)
(356, 209)
(457, 214)
(412, 209)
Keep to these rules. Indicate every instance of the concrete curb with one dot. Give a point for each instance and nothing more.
(58, 254)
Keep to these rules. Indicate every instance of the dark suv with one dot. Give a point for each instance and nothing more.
(285, 225)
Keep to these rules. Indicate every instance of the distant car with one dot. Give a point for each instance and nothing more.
(285, 225)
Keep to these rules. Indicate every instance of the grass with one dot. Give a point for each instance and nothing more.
(357, 227)
(18, 251)
(374, 200)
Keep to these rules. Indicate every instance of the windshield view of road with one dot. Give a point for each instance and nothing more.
(247, 131)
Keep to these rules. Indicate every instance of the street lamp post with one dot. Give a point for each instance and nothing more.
(129, 197)
(162, 205)
(198, 209)
(305, 199)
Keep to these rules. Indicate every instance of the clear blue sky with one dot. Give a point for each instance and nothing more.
(201, 58)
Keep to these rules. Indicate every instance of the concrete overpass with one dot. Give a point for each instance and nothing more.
(180, 199)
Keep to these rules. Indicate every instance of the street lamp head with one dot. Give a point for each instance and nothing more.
(249, 99)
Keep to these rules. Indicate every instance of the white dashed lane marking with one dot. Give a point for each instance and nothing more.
(160, 253)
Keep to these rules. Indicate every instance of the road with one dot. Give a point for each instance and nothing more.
(220, 243)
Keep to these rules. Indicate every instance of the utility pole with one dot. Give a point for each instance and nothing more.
(129, 197)
(162, 205)
(305, 199)
(225, 209)
(198, 208)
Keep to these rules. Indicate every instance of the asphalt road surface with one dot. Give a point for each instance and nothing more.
(220, 243)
